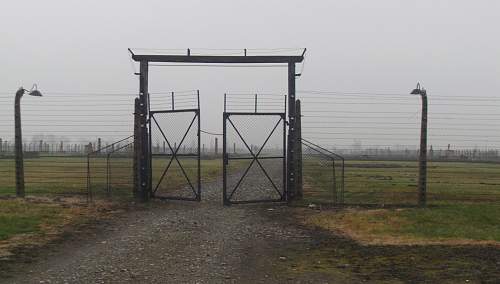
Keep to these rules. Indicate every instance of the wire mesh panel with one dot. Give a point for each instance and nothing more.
(110, 170)
(254, 157)
(322, 175)
(7, 173)
(379, 135)
(120, 171)
(175, 154)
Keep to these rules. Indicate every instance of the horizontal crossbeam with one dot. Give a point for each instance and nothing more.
(178, 155)
(218, 59)
(251, 158)
(195, 110)
(280, 114)
(255, 201)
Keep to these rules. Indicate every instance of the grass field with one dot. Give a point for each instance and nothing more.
(395, 182)
(463, 199)
(18, 216)
(68, 175)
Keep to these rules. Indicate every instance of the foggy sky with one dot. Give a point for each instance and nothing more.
(452, 47)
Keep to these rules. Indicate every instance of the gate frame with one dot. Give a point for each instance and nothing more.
(174, 155)
(143, 158)
(255, 157)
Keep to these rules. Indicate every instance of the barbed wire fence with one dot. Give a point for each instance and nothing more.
(378, 134)
(68, 142)
(79, 144)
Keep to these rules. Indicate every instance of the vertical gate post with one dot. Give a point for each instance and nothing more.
(137, 147)
(225, 201)
(298, 151)
(292, 139)
(144, 155)
(198, 197)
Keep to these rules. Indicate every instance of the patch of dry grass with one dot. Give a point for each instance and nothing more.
(35, 221)
(410, 226)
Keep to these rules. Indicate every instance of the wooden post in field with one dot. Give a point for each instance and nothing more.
(18, 145)
(422, 159)
(98, 146)
(216, 148)
(422, 176)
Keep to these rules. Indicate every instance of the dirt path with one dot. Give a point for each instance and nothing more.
(177, 242)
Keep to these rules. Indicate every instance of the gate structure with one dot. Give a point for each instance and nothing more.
(254, 153)
(175, 152)
(143, 157)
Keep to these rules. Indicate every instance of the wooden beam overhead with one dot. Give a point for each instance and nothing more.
(218, 59)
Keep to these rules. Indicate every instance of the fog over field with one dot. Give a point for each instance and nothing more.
(76, 51)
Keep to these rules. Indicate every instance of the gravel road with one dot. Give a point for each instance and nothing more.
(176, 242)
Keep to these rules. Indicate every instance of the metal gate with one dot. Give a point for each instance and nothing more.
(254, 154)
(175, 153)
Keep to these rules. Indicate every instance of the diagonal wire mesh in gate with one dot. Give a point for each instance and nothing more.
(174, 150)
(255, 157)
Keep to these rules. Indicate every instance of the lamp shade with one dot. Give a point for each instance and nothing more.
(35, 93)
(417, 90)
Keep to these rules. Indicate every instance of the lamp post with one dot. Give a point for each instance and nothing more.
(422, 173)
(18, 138)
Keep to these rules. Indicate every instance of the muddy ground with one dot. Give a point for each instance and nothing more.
(189, 242)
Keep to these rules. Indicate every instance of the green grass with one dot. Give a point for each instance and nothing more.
(68, 175)
(18, 216)
(47, 175)
(395, 182)
(463, 199)
(474, 222)
(459, 222)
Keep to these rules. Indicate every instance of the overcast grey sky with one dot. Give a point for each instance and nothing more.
(452, 47)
